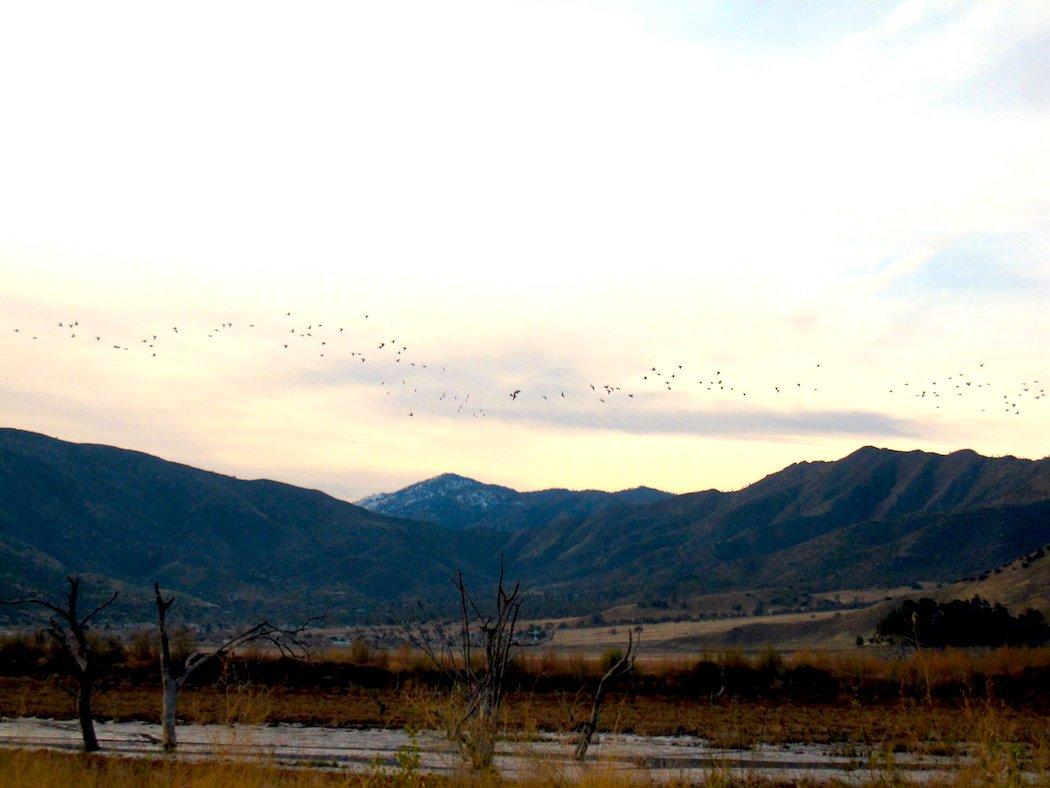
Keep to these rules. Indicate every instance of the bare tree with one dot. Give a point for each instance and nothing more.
(174, 673)
(69, 630)
(475, 656)
(625, 664)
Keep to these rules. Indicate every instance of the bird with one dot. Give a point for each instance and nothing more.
(514, 394)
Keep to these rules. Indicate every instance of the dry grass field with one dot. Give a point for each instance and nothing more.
(906, 726)
(927, 701)
(672, 636)
(738, 604)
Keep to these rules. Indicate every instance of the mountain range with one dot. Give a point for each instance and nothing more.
(241, 548)
(457, 502)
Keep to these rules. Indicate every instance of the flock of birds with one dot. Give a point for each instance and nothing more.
(347, 342)
(316, 338)
(960, 384)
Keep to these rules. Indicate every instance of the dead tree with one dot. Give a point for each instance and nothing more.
(475, 657)
(624, 664)
(174, 674)
(69, 630)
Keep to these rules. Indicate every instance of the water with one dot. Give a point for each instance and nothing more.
(657, 758)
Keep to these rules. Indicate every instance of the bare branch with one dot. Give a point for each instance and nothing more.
(99, 609)
(477, 687)
(70, 635)
(29, 600)
(286, 641)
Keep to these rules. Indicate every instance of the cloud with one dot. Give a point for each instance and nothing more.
(978, 266)
(751, 424)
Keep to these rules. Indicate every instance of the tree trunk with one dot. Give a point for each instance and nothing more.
(87, 724)
(623, 665)
(167, 716)
(584, 742)
(589, 727)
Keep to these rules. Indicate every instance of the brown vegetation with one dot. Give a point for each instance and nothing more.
(728, 697)
(473, 659)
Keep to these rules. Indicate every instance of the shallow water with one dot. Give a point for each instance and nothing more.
(648, 757)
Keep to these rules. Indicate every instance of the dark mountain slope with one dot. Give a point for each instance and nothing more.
(817, 524)
(458, 502)
(875, 517)
(243, 544)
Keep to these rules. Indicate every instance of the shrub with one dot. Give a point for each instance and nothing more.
(770, 661)
(360, 652)
(609, 658)
(144, 646)
(963, 623)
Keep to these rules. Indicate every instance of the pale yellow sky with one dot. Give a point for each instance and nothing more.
(530, 196)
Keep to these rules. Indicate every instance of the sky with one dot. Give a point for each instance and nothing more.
(810, 204)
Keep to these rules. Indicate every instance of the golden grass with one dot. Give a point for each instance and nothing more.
(993, 759)
(669, 631)
(942, 666)
(48, 769)
(945, 665)
(44, 769)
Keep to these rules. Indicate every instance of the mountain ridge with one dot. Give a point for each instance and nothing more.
(249, 547)
(245, 544)
(460, 502)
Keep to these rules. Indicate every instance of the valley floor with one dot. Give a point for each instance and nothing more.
(947, 716)
(907, 725)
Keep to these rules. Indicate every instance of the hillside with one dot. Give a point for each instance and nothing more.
(1020, 584)
(874, 518)
(243, 545)
(457, 502)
